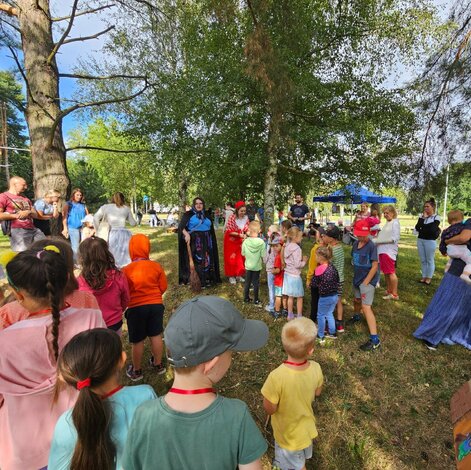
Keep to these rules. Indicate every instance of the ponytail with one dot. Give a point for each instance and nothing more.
(87, 361)
(43, 275)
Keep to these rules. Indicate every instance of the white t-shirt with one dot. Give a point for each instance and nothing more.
(387, 240)
(114, 215)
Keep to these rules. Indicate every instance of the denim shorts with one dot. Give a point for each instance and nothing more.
(292, 459)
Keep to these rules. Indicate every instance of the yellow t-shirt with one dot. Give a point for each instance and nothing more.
(312, 263)
(294, 424)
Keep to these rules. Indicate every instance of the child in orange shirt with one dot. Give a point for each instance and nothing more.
(147, 283)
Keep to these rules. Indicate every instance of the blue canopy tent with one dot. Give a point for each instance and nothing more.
(353, 194)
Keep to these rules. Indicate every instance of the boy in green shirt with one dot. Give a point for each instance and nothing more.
(192, 426)
(254, 250)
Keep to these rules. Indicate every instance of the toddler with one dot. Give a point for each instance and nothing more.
(253, 249)
(88, 229)
(288, 394)
(294, 262)
(326, 279)
(457, 225)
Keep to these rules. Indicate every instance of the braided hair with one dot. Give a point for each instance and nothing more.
(43, 275)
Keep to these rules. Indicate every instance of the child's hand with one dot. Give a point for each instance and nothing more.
(305, 258)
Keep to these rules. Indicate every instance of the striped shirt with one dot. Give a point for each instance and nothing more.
(338, 259)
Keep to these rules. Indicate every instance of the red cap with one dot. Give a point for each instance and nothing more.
(361, 228)
(239, 204)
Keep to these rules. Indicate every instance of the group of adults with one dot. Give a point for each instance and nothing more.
(26, 222)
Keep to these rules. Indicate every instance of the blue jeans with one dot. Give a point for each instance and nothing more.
(271, 290)
(325, 312)
(426, 250)
(75, 235)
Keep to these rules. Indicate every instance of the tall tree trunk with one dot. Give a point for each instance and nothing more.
(270, 177)
(182, 193)
(43, 105)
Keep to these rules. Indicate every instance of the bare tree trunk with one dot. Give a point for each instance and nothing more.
(43, 105)
(270, 177)
(182, 194)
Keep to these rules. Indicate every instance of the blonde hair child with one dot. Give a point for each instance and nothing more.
(294, 262)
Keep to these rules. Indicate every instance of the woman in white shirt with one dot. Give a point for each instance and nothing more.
(387, 242)
(116, 215)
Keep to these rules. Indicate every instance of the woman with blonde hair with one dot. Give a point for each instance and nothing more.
(387, 242)
(116, 215)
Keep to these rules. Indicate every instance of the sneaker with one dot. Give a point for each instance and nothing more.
(320, 340)
(429, 345)
(340, 328)
(370, 346)
(394, 297)
(241, 279)
(159, 368)
(275, 315)
(257, 303)
(134, 374)
(330, 336)
(354, 320)
(290, 316)
(232, 280)
(284, 312)
(388, 296)
(269, 309)
(247, 301)
(299, 315)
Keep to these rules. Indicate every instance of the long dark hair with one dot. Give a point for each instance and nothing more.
(91, 355)
(96, 260)
(43, 275)
(67, 254)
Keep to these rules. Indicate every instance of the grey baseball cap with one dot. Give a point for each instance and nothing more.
(205, 327)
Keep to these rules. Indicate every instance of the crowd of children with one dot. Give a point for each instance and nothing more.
(72, 400)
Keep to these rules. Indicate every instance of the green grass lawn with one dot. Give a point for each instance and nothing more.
(383, 410)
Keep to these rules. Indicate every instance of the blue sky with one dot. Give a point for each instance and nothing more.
(69, 55)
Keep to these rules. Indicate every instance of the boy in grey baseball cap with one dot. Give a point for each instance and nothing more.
(192, 426)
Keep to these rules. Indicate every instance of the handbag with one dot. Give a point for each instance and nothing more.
(6, 227)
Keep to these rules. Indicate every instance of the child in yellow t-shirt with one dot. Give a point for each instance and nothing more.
(288, 394)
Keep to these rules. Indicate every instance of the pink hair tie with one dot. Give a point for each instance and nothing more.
(84, 383)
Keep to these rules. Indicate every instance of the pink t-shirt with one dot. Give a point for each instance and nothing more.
(13, 203)
(27, 379)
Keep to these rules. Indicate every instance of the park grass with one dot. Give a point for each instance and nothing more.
(383, 410)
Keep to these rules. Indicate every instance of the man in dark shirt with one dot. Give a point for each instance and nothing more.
(252, 209)
(299, 212)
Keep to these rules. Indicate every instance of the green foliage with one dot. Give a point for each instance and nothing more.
(221, 70)
(134, 174)
(459, 190)
(11, 95)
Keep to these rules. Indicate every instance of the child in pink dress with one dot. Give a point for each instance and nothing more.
(28, 355)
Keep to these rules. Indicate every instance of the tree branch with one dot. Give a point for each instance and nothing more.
(86, 12)
(103, 77)
(90, 147)
(9, 9)
(18, 30)
(73, 108)
(252, 12)
(64, 36)
(86, 38)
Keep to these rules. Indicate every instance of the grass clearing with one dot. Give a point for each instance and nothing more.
(382, 410)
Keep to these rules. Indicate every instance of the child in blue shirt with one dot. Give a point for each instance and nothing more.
(93, 433)
(365, 277)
